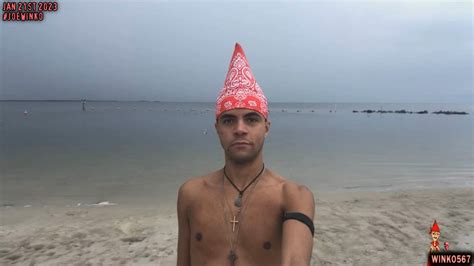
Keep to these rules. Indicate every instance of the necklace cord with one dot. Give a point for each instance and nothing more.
(241, 214)
(241, 192)
(233, 239)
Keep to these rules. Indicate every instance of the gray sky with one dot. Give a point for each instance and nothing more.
(322, 51)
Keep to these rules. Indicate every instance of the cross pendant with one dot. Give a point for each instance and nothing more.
(232, 257)
(234, 221)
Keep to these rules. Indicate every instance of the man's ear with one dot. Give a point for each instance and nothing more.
(267, 127)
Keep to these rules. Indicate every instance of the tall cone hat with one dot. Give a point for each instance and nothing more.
(435, 227)
(240, 88)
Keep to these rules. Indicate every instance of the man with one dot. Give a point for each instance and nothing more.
(434, 232)
(244, 214)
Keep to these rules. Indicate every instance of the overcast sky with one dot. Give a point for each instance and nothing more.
(321, 51)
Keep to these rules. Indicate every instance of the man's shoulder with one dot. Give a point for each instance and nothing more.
(296, 196)
(288, 188)
(196, 184)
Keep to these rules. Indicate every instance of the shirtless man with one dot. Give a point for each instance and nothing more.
(244, 214)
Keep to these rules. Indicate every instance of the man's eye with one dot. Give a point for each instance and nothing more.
(253, 120)
(226, 121)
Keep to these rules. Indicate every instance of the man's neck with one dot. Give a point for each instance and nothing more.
(242, 174)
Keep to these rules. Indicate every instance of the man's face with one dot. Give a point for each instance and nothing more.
(435, 235)
(242, 133)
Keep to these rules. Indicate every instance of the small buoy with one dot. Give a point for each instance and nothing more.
(25, 112)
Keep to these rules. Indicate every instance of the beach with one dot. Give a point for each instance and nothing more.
(99, 187)
(352, 228)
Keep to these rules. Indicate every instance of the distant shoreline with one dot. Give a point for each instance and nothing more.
(212, 102)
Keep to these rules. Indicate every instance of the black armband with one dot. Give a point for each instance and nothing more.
(300, 217)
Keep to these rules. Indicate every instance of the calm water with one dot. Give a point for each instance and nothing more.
(140, 152)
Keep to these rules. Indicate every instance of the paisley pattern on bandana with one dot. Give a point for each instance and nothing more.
(240, 88)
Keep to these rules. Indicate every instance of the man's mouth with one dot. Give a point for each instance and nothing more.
(240, 143)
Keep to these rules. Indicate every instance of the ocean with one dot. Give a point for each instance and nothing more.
(140, 152)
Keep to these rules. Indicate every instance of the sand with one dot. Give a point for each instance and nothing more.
(358, 228)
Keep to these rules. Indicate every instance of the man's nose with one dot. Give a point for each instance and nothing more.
(240, 127)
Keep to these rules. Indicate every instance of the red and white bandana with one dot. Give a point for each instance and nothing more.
(240, 88)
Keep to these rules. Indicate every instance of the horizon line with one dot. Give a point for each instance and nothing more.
(159, 101)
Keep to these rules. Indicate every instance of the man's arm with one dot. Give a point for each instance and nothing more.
(297, 241)
(184, 257)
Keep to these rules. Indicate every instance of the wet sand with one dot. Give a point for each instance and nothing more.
(359, 228)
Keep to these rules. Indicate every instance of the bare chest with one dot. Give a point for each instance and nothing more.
(254, 231)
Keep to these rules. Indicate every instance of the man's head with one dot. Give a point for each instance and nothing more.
(242, 134)
(434, 231)
(435, 236)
